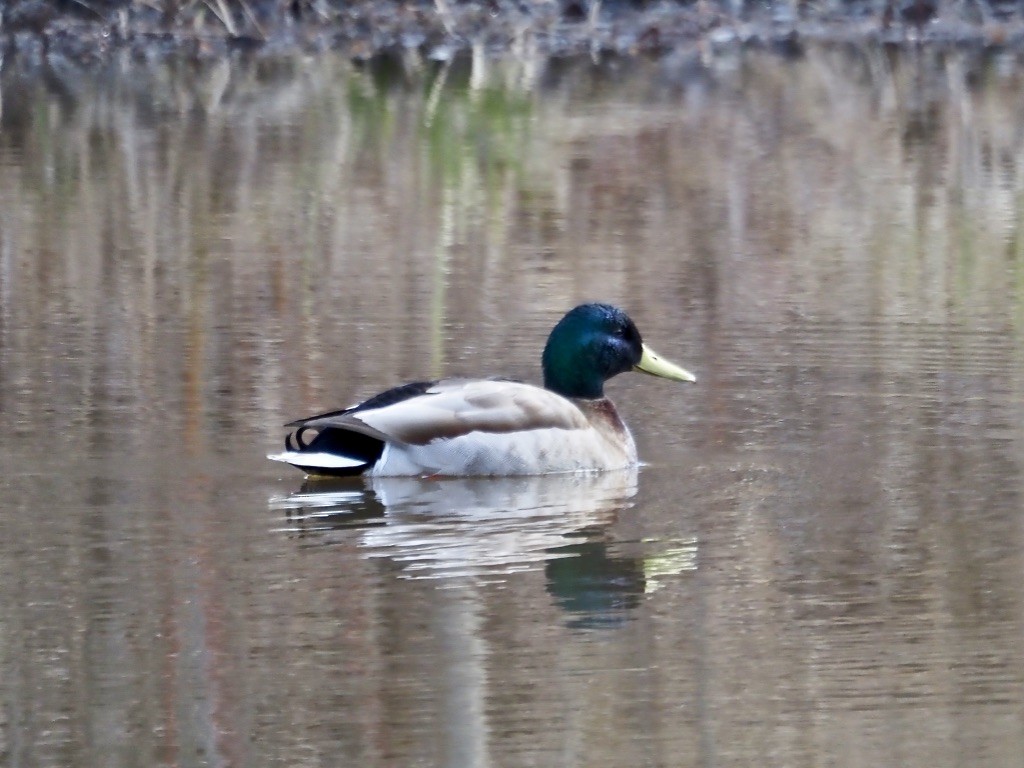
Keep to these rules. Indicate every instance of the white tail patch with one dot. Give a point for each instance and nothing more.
(316, 460)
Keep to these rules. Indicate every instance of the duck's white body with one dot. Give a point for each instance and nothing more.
(465, 427)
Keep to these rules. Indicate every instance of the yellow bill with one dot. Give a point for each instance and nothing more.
(654, 365)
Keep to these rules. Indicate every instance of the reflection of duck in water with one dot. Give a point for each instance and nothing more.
(454, 526)
(463, 427)
(486, 528)
(599, 583)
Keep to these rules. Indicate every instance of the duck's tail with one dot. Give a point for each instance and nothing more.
(334, 452)
(320, 463)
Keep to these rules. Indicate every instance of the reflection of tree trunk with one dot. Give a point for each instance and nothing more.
(457, 624)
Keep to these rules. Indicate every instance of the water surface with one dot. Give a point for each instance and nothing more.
(819, 562)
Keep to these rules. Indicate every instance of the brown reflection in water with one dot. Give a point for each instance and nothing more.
(190, 255)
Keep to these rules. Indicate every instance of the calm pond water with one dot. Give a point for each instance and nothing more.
(820, 563)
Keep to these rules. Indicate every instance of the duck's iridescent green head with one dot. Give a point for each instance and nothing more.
(594, 342)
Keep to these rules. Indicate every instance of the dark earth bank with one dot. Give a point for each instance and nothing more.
(35, 32)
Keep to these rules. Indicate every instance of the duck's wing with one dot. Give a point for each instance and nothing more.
(388, 397)
(422, 413)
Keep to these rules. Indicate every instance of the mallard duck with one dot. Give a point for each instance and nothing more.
(468, 427)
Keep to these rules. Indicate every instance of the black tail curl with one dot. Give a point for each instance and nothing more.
(297, 434)
(338, 441)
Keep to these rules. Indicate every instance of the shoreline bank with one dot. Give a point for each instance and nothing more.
(33, 31)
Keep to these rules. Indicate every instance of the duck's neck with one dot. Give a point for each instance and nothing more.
(571, 381)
